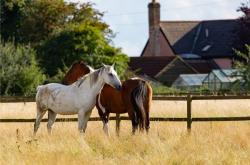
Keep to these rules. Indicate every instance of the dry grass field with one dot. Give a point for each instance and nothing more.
(167, 143)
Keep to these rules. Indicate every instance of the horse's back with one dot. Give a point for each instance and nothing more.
(46, 90)
(51, 86)
(58, 98)
(132, 83)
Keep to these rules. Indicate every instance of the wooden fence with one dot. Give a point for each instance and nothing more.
(188, 119)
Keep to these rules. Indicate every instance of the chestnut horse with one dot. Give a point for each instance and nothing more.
(134, 98)
(77, 70)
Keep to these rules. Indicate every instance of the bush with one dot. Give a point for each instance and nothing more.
(79, 42)
(20, 74)
(243, 70)
(161, 90)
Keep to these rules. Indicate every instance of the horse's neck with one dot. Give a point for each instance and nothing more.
(92, 86)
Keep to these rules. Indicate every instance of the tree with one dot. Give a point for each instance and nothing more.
(10, 18)
(79, 42)
(19, 71)
(63, 32)
(243, 69)
(243, 31)
(32, 21)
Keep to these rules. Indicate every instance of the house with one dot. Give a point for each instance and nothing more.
(221, 79)
(194, 46)
(165, 69)
(189, 81)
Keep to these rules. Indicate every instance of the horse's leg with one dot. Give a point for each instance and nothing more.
(51, 120)
(147, 121)
(105, 124)
(86, 119)
(39, 116)
(81, 115)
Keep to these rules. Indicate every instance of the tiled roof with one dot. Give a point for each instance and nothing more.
(223, 63)
(208, 39)
(149, 65)
(202, 66)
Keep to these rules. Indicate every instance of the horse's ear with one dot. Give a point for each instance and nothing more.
(90, 68)
(113, 65)
(104, 65)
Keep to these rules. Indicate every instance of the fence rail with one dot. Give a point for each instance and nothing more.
(188, 98)
(174, 119)
(16, 99)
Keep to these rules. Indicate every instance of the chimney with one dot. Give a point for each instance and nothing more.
(248, 13)
(154, 27)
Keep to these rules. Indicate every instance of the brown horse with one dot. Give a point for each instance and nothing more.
(77, 70)
(134, 98)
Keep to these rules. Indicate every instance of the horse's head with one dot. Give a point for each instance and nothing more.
(110, 76)
(82, 68)
(77, 70)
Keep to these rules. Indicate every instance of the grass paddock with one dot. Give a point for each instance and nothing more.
(166, 143)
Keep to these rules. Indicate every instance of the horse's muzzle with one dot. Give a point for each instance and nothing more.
(118, 87)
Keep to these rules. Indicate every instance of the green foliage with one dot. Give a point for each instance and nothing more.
(243, 31)
(41, 18)
(161, 89)
(58, 77)
(19, 71)
(10, 18)
(32, 21)
(79, 42)
(61, 33)
(243, 69)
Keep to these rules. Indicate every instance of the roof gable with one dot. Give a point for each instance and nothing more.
(175, 30)
(212, 38)
(165, 47)
(171, 64)
(172, 71)
(149, 65)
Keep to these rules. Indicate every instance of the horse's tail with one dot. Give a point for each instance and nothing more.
(138, 97)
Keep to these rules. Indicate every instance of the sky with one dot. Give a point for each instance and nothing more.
(129, 18)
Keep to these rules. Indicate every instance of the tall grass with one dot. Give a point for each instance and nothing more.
(166, 143)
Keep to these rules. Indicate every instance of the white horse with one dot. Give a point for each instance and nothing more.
(78, 98)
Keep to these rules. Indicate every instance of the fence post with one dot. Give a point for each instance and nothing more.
(189, 112)
(118, 121)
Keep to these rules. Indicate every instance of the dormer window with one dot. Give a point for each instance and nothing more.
(207, 33)
(206, 48)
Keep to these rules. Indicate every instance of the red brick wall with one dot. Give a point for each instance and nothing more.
(165, 49)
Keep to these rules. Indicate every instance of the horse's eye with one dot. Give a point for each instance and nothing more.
(111, 75)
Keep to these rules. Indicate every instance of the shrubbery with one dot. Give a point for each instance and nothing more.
(20, 74)
(79, 42)
(243, 70)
